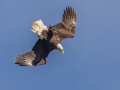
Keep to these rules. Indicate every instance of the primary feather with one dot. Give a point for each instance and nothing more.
(67, 27)
(25, 59)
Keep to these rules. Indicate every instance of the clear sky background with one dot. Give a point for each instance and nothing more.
(91, 60)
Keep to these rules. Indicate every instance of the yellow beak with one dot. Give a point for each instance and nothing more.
(62, 51)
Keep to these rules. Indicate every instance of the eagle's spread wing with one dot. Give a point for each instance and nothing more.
(37, 56)
(67, 27)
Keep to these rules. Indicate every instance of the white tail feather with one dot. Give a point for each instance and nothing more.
(38, 27)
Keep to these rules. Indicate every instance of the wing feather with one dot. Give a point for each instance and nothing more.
(67, 27)
(25, 59)
(69, 18)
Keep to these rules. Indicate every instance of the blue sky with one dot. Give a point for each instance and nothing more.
(91, 60)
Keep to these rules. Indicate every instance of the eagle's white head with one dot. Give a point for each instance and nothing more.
(38, 27)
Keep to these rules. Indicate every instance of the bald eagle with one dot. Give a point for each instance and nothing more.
(49, 39)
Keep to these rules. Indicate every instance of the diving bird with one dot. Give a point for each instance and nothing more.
(49, 39)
